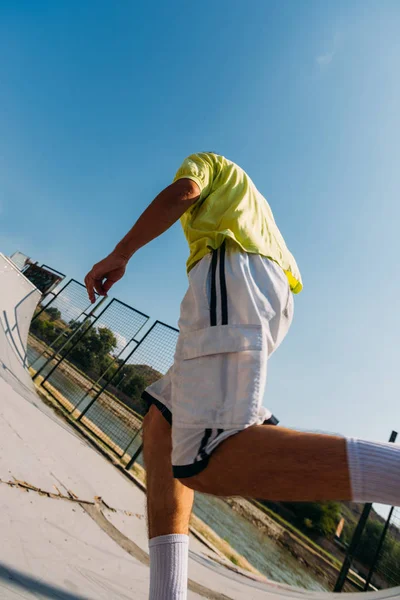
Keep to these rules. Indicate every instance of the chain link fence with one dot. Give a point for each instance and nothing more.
(121, 395)
(385, 565)
(56, 320)
(373, 548)
(19, 259)
(93, 362)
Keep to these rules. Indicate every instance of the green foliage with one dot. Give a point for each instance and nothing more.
(44, 330)
(133, 385)
(308, 523)
(52, 313)
(369, 542)
(110, 367)
(134, 378)
(92, 352)
(388, 566)
(131, 380)
(330, 518)
(319, 518)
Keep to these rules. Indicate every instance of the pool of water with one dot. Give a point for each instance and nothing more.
(262, 552)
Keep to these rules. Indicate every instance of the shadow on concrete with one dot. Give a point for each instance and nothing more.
(22, 341)
(18, 579)
(13, 332)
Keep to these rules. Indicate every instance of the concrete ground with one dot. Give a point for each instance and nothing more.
(73, 526)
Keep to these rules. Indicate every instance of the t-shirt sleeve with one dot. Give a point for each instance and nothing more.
(199, 168)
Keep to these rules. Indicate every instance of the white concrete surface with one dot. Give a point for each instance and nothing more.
(55, 548)
(18, 299)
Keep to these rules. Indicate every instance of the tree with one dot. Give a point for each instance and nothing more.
(388, 565)
(131, 380)
(44, 330)
(369, 543)
(92, 352)
(320, 518)
(103, 341)
(109, 367)
(330, 518)
(132, 385)
(53, 313)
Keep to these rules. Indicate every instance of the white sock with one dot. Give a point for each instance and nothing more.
(374, 471)
(169, 556)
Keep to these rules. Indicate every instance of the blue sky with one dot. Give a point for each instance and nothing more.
(101, 101)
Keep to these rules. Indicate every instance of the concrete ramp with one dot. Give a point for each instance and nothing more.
(72, 525)
(18, 300)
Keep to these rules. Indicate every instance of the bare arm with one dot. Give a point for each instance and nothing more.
(159, 216)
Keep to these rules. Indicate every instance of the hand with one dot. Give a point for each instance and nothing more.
(104, 274)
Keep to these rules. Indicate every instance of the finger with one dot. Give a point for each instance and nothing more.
(90, 288)
(98, 286)
(107, 285)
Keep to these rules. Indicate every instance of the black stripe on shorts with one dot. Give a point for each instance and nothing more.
(222, 282)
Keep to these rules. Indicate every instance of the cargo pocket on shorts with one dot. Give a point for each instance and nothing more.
(217, 376)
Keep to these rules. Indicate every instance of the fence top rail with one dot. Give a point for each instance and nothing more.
(165, 325)
(53, 270)
(129, 306)
(56, 292)
(76, 281)
(112, 300)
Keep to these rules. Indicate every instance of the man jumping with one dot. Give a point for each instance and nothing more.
(206, 428)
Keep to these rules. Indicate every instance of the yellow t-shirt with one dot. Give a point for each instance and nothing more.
(230, 206)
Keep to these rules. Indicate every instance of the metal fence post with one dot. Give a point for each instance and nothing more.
(121, 366)
(382, 539)
(134, 457)
(114, 416)
(138, 452)
(378, 551)
(62, 335)
(91, 314)
(52, 299)
(87, 393)
(132, 440)
(74, 333)
(354, 544)
(352, 548)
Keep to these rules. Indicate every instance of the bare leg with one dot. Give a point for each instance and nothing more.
(169, 502)
(273, 463)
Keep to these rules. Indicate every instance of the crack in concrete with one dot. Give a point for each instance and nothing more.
(69, 496)
(94, 509)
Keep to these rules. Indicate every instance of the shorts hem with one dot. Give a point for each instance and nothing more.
(216, 424)
(182, 471)
(271, 421)
(166, 413)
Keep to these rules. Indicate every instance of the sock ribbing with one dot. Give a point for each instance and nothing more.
(374, 471)
(169, 556)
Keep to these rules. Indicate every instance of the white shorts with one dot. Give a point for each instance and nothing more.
(236, 312)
